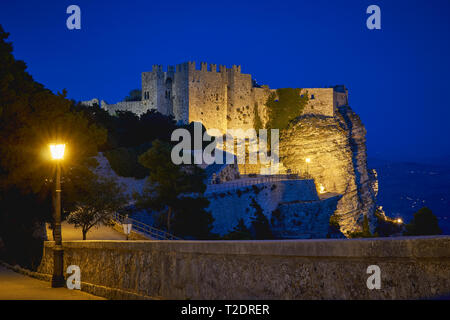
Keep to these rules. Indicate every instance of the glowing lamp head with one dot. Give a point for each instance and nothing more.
(308, 160)
(57, 151)
(399, 220)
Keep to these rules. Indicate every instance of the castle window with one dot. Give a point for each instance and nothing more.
(312, 97)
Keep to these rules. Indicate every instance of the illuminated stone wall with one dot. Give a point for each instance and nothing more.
(411, 268)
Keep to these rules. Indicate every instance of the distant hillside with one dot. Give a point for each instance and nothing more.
(405, 187)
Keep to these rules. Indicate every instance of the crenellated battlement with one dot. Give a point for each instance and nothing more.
(193, 66)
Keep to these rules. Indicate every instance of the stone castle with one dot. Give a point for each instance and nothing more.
(221, 99)
(328, 133)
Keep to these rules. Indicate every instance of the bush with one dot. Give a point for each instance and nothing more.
(240, 232)
(124, 162)
(260, 223)
(423, 223)
(365, 233)
(192, 220)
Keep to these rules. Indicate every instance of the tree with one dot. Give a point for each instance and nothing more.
(239, 232)
(97, 205)
(424, 223)
(260, 223)
(31, 117)
(191, 219)
(134, 95)
(167, 182)
(365, 233)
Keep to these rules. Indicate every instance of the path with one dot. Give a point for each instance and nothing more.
(16, 286)
(100, 233)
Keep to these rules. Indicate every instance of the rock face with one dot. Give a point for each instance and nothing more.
(338, 162)
(292, 208)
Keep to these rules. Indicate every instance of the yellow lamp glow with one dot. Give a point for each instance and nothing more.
(57, 151)
(308, 160)
(321, 189)
(399, 220)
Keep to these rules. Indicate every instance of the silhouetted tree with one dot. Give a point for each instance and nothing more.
(97, 205)
(31, 117)
(239, 232)
(260, 223)
(167, 182)
(134, 95)
(423, 223)
(191, 219)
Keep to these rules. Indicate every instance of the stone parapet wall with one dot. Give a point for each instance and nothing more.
(411, 268)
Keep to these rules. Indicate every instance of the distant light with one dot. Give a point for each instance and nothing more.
(399, 220)
(57, 151)
(321, 189)
(308, 160)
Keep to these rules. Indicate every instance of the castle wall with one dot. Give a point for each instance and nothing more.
(221, 99)
(240, 100)
(136, 107)
(208, 97)
(180, 99)
(321, 101)
(260, 96)
(340, 99)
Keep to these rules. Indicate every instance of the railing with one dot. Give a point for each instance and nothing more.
(145, 229)
(247, 181)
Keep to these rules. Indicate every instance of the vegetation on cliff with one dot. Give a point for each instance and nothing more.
(260, 224)
(283, 106)
(176, 192)
(424, 223)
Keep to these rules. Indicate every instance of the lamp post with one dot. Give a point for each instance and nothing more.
(307, 160)
(57, 151)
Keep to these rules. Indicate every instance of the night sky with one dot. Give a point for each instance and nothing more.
(398, 77)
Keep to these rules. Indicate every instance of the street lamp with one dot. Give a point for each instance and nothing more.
(307, 160)
(127, 226)
(57, 151)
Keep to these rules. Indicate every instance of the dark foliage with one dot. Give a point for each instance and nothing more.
(31, 117)
(260, 224)
(424, 223)
(191, 219)
(134, 95)
(239, 232)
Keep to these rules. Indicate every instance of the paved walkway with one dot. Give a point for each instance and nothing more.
(16, 286)
(101, 233)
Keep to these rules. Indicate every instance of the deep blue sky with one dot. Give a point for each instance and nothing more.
(398, 77)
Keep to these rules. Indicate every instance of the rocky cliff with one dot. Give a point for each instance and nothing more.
(337, 150)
